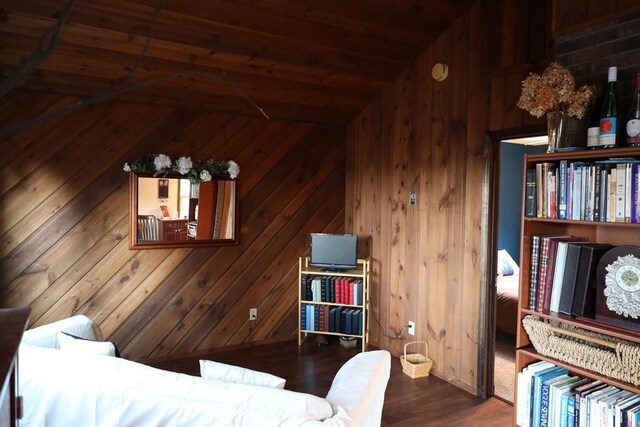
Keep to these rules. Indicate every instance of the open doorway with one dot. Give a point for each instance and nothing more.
(507, 256)
(521, 140)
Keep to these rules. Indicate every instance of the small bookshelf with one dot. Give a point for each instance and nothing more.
(333, 302)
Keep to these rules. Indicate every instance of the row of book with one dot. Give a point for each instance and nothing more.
(606, 190)
(563, 274)
(548, 396)
(324, 318)
(338, 290)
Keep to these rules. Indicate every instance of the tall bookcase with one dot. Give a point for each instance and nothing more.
(361, 273)
(615, 233)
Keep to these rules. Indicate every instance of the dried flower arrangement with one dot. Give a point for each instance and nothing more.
(196, 171)
(555, 90)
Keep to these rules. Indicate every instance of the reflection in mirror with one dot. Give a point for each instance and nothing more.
(188, 214)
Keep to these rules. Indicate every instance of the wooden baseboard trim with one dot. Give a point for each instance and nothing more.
(198, 353)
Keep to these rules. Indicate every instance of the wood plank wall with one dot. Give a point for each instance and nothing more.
(64, 223)
(426, 137)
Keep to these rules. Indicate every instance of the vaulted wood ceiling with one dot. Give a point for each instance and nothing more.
(310, 60)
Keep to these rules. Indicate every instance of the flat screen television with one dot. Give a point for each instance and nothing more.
(334, 251)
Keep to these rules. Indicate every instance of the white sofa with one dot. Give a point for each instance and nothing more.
(65, 388)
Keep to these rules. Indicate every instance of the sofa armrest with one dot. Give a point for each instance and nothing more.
(46, 335)
(358, 388)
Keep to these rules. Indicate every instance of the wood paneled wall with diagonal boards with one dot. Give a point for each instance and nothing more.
(64, 223)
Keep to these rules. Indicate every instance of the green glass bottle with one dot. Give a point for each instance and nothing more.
(609, 125)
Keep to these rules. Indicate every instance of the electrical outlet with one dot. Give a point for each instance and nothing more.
(411, 327)
(253, 314)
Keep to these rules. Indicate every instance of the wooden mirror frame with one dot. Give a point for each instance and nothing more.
(134, 243)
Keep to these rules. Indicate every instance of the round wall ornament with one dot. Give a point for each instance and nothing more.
(439, 72)
(622, 283)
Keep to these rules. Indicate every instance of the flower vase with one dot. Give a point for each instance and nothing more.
(557, 130)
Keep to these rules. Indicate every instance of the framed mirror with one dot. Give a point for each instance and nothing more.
(187, 214)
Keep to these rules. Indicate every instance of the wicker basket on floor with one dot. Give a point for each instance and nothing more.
(416, 365)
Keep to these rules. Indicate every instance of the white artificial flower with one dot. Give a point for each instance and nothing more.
(161, 162)
(126, 167)
(234, 169)
(205, 175)
(184, 164)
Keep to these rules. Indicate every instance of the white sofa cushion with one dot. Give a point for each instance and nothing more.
(368, 373)
(46, 335)
(82, 345)
(236, 374)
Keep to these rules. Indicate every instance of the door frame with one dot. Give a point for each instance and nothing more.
(489, 221)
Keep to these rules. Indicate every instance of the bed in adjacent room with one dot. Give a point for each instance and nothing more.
(507, 283)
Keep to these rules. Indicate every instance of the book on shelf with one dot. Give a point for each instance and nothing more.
(315, 289)
(539, 267)
(323, 289)
(593, 404)
(309, 317)
(601, 191)
(560, 400)
(545, 398)
(356, 321)
(332, 319)
(547, 278)
(337, 316)
(570, 400)
(533, 273)
(538, 379)
(524, 396)
(583, 390)
(348, 321)
(623, 407)
(321, 319)
(326, 310)
(530, 193)
(539, 190)
(331, 288)
(344, 291)
(306, 288)
(597, 193)
(634, 214)
(357, 289)
(542, 270)
(563, 193)
(569, 278)
(316, 318)
(558, 275)
(584, 295)
(621, 180)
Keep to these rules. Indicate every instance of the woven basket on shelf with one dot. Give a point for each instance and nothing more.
(606, 355)
(416, 365)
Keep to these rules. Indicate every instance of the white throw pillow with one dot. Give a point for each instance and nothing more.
(80, 345)
(236, 374)
(506, 265)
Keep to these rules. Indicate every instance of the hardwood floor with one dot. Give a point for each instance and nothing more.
(310, 368)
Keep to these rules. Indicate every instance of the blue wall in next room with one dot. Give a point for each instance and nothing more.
(511, 156)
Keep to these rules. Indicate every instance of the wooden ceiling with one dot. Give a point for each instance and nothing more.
(310, 60)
